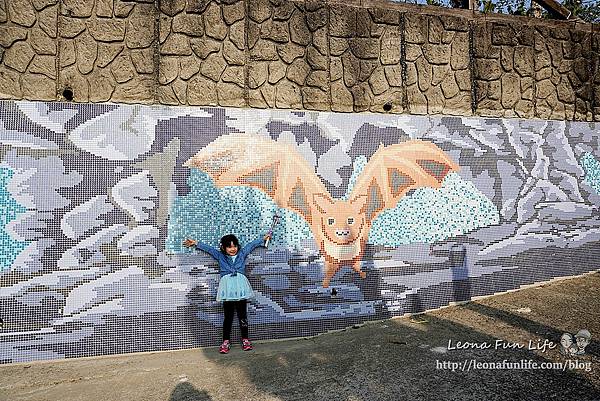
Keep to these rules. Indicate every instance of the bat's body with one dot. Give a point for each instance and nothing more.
(334, 259)
(340, 227)
(342, 252)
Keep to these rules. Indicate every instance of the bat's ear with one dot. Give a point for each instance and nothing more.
(322, 202)
(359, 202)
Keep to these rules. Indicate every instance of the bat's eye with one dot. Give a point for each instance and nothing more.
(350, 220)
(331, 221)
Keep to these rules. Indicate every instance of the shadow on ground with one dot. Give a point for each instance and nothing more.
(187, 392)
(393, 361)
(409, 358)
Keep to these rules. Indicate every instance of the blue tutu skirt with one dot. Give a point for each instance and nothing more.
(234, 288)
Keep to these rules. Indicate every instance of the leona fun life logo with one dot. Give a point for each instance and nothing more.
(575, 344)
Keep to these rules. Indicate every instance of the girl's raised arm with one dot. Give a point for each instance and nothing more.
(253, 245)
(203, 247)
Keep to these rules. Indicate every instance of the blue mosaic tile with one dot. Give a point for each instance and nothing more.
(9, 210)
(591, 165)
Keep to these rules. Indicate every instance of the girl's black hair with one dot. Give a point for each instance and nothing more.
(227, 240)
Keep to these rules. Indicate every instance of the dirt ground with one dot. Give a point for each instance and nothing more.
(398, 359)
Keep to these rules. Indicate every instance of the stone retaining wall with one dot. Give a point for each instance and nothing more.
(349, 56)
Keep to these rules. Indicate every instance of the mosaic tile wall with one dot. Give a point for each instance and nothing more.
(397, 213)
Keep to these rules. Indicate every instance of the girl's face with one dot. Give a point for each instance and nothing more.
(231, 249)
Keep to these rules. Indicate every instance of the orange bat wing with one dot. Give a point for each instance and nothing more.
(275, 168)
(395, 169)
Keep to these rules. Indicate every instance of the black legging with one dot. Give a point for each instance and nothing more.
(240, 307)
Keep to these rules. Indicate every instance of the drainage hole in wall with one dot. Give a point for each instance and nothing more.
(387, 106)
(68, 94)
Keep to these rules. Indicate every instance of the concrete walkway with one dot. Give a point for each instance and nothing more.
(399, 359)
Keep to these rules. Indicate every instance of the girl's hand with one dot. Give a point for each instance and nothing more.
(188, 243)
(267, 237)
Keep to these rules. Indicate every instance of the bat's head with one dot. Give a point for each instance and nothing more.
(342, 222)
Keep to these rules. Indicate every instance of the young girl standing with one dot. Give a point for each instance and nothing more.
(234, 289)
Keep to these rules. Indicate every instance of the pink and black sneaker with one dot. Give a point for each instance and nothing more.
(246, 344)
(224, 348)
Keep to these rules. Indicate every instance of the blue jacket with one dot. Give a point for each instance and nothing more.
(226, 264)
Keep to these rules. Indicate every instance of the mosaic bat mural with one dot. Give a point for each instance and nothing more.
(96, 200)
(339, 227)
